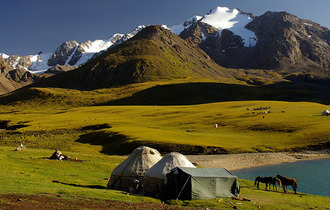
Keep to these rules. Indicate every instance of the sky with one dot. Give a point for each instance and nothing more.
(30, 26)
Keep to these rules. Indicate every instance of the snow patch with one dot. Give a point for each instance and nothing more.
(70, 57)
(3, 55)
(99, 45)
(233, 20)
(84, 58)
(222, 18)
(14, 65)
(177, 29)
(39, 62)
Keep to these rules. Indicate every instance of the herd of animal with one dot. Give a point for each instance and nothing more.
(282, 181)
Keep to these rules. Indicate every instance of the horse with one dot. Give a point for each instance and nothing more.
(273, 182)
(267, 180)
(286, 182)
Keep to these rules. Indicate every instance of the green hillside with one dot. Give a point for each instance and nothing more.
(187, 128)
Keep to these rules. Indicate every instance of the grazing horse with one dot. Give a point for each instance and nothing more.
(273, 182)
(267, 180)
(286, 182)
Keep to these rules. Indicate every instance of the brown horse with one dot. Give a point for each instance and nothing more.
(286, 182)
(268, 181)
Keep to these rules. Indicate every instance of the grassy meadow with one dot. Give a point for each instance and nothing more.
(286, 126)
(29, 172)
(97, 125)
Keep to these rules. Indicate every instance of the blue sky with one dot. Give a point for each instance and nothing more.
(30, 26)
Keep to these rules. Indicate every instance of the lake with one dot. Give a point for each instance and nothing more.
(313, 176)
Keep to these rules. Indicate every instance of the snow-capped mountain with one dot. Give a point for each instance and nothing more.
(75, 54)
(274, 40)
(223, 18)
(230, 37)
(69, 53)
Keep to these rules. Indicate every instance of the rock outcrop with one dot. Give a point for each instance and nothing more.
(62, 54)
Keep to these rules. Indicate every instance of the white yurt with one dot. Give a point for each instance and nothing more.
(155, 178)
(326, 112)
(134, 167)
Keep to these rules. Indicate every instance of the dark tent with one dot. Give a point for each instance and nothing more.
(200, 183)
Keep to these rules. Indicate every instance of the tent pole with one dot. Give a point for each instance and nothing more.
(183, 187)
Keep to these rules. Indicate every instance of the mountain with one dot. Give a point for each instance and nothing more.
(222, 18)
(274, 40)
(153, 54)
(70, 53)
(285, 41)
(297, 49)
(231, 37)
(11, 79)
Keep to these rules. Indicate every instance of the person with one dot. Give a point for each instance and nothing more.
(136, 187)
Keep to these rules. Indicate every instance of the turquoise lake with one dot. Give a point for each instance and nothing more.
(313, 176)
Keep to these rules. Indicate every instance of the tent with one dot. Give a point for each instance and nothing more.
(326, 112)
(134, 167)
(200, 183)
(155, 178)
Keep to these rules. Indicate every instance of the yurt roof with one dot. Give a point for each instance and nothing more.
(168, 162)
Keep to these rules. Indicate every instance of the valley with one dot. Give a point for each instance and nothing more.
(226, 89)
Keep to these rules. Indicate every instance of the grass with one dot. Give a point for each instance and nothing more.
(289, 126)
(28, 172)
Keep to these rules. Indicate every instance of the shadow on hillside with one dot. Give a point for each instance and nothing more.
(199, 93)
(114, 143)
(78, 185)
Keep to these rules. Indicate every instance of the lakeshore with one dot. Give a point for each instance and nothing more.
(248, 160)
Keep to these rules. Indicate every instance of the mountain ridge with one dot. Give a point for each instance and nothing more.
(153, 54)
(273, 41)
(244, 26)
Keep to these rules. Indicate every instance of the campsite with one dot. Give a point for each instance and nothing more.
(40, 180)
(99, 136)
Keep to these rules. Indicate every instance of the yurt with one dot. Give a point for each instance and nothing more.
(134, 167)
(326, 112)
(155, 178)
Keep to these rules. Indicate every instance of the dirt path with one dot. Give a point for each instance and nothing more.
(247, 160)
(54, 202)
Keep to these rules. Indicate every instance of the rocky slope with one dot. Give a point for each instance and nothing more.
(11, 79)
(285, 41)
